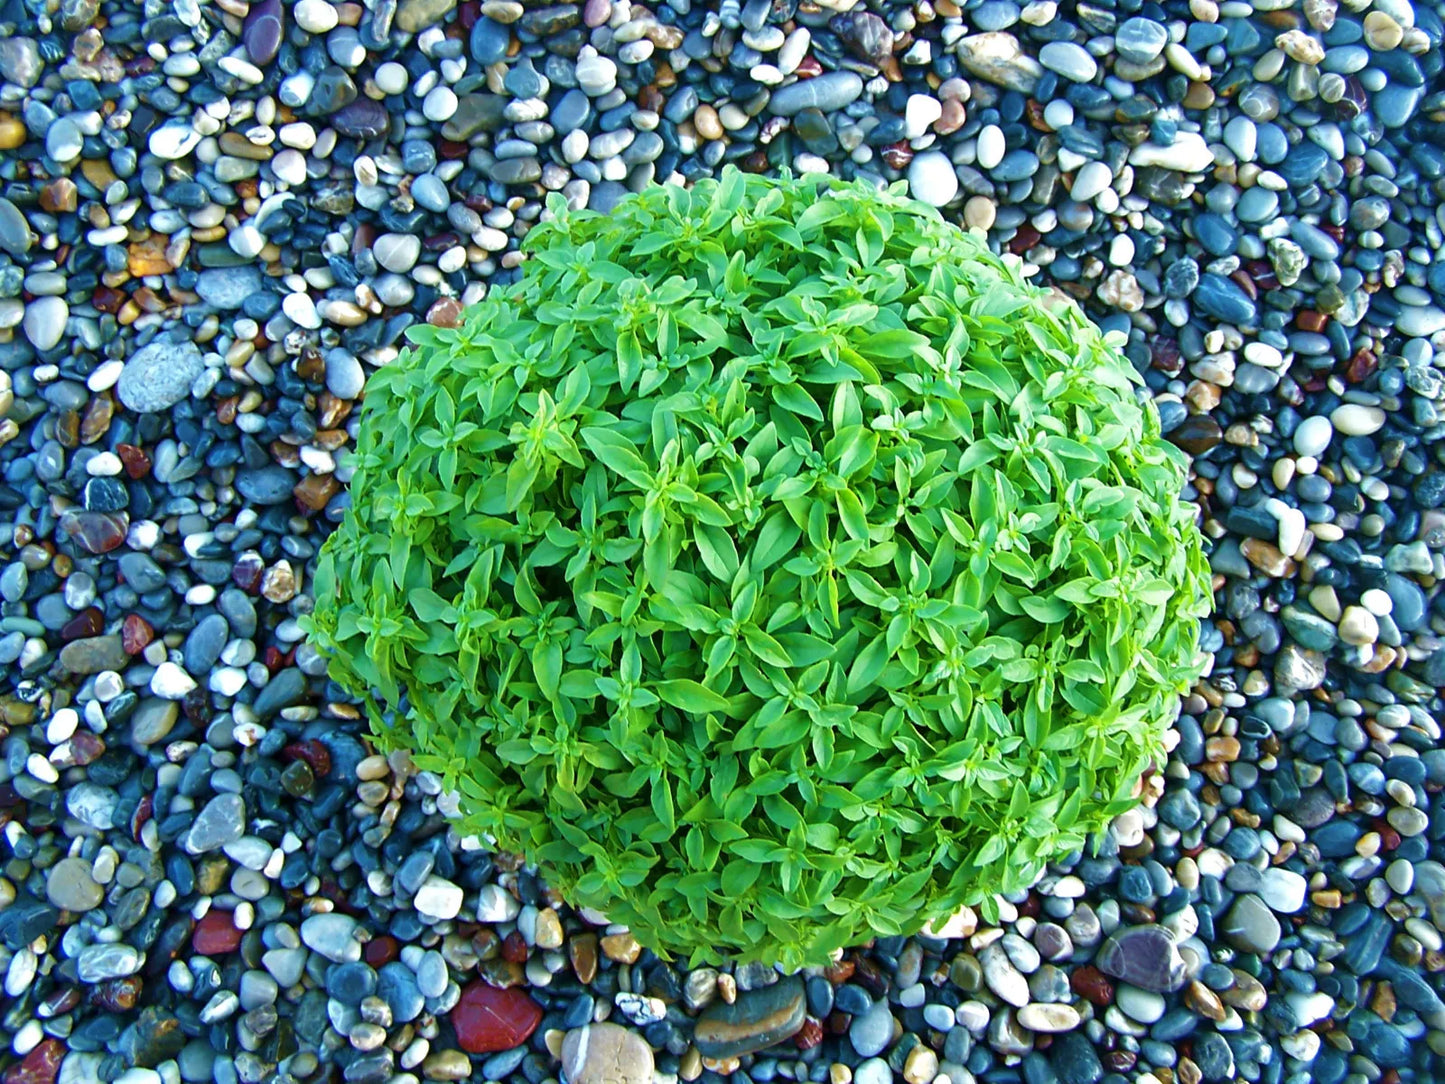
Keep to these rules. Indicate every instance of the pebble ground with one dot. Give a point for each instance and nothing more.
(217, 219)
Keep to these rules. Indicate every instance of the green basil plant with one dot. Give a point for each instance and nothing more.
(771, 564)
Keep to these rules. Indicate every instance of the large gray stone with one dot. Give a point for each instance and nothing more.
(159, 376)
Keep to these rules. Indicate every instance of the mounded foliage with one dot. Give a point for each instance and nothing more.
(771, 564)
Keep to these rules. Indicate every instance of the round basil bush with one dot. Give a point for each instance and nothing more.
(770, 564)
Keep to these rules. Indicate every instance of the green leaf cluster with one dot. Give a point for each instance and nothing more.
(770, 563)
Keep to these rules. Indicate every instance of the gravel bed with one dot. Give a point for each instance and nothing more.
(216, 221)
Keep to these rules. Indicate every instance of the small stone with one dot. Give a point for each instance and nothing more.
(216, 934)
(97, 963)
(397, 251)
(1070, 60)
(1187, 154)
(262, 31)
(606, 1054)
(1250, 925)
(438, 899)
(221, 821)
(1139, 40)
(1048, 1018)
(333, 936)
(414, 16)
(827, 93)
(1354, 420)
(997, 58)
(931, 178)
(871, 1031)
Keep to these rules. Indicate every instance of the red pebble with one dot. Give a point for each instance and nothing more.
(313, 752)
(488, 1020)
(1164, 355)
(137, 464)
(514, 948)
(144, 811)
(247, 572)
(89, 622)
(1023, 240)
(809, 1036)
(40, 1066)
(1362, 364)
(381, 950)
(215, 934)
(136, 634)
(1091, 984)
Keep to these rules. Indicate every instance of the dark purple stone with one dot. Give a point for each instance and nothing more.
(363, 117)
(262, 32)
(1144, 956)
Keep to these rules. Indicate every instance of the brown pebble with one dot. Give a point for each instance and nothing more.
(59, 196)
(621, 948)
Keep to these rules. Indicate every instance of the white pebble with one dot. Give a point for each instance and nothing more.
(315, 16)
(289, 166)
(301, 310)
(921, 111)
(391, 78)
(1312, 436)
(104, 465)
(41, 769)
(1091, 179)
(439, 104)
(170, 682)
(991, 146)
(1355, 420)
(105, 376)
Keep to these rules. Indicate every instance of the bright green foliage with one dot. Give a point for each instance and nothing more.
(771, 564)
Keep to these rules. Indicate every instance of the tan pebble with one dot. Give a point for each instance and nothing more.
(705, 120)
(921, 1065)
(372, 767)
(690, 1065)
(1297, 45)
(1382, 32)
(980, 212)
(549, 929)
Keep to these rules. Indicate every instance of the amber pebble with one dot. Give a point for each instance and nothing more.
(59, 196)
(1196, 434)
(96, 422)
(136, 463)
(67, 429)
(12, 132)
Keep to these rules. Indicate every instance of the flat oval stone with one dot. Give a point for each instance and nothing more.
(755, 1021)
(827, 93)
(1144, 956)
